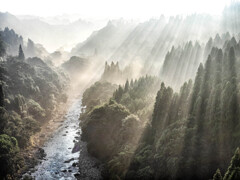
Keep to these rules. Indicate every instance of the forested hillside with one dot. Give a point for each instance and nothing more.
(188, 134)
(30, 92)
(192, 129)
(12, 41)
(149, 97)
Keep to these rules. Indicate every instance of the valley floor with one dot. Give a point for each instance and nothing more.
(59, 138)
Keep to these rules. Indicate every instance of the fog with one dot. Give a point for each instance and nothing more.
(145, 41)
(156, 86)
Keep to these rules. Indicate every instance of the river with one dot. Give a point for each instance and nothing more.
(60, 162)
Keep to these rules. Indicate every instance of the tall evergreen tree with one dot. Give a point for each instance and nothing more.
(233, 172)
(20, 53)
(2, 48)
(1, 96)
(126, 87)
(217, 175)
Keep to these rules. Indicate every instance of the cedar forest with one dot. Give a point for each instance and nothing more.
(157, 103)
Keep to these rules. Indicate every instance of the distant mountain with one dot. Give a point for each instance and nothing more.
(105, 41)
(147, 42)
(51, 36)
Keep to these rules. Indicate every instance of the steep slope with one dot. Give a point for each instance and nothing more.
(30, 92)
(195, 132)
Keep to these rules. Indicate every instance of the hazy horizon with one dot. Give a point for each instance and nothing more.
(107, 9)
(94, 15)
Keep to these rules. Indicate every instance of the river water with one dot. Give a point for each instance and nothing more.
(60, 161)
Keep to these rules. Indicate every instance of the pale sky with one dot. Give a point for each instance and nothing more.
(129, 9)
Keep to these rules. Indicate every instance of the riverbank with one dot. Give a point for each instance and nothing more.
(63, 155)
(34, 153)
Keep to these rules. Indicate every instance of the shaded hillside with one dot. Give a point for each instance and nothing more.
(192, 140)
(190, 134)
(30, 93)
(117, 123)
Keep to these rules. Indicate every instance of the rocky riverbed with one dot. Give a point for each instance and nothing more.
(65, 155)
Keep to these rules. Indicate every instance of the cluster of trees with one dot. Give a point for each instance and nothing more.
(138, 95)
(112, 73)
(10, 159)
(233, 171)
(76, 66)
(30, 91)
(193, 139)
(114, 118)
(99, 93)
(10, 41)
(181, 63)
(185, 135)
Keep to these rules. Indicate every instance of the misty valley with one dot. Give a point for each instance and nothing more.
(120, 99)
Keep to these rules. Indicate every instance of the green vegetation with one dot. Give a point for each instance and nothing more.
(138, 96)
(112, 133)
(217, 175)
(113, 129)
(30, 91)
(98, 93)
(194, 132)
(233, 172)
(113, 74)
(9, 158)
(76, 66)
(21, 55)
(184, 135)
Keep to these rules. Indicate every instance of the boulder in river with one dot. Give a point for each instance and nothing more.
(68, 161)
(76, 147)
(77, 175)
(40, 154)
(74, 164)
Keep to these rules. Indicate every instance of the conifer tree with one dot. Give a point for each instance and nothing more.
(2, 48)
(217, 175)
(1, 96)
(126, 86)
(20, 53)
(233, 172)
(197, 85)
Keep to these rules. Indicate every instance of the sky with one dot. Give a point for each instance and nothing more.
(111, 9)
